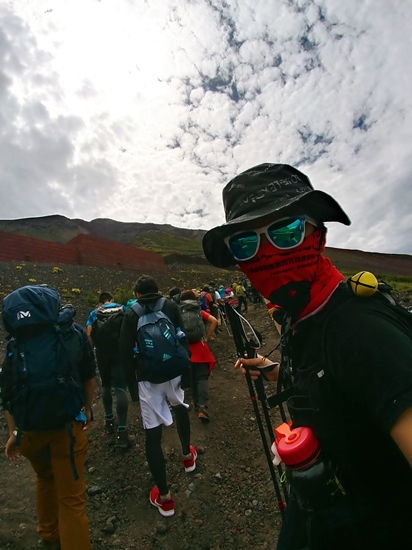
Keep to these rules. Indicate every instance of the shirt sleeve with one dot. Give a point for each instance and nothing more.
(91, 318)
(87, 367)
(127, 343)
(205, 316)
(370, 354)
(6, 378)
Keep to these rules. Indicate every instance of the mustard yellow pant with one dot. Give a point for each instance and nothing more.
(61, 500)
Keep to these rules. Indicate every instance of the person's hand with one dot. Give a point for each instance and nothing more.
(245, 365)
(88, 414)
(11, 450)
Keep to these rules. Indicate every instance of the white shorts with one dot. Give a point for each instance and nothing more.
(153, 405)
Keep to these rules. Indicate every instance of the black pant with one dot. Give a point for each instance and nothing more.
(154, 453)
(242, 301)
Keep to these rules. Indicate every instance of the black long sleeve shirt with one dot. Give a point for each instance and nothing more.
(133, 367)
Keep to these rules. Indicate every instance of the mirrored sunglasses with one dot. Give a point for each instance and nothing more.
(283, 234)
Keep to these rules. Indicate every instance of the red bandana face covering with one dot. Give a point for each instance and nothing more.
(299, 279)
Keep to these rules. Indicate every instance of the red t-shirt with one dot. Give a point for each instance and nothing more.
(200, 350)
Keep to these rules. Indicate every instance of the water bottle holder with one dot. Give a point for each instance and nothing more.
(317, 490)
(306, 463)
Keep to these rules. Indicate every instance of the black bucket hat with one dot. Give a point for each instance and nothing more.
(267, 192)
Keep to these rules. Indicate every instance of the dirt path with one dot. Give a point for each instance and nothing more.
(226, 503)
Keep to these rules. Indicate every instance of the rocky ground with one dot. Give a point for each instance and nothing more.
(227, 503)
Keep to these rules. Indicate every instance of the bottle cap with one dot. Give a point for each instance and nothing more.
(298, 446)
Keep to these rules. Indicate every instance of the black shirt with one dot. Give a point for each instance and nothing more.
(367, 350)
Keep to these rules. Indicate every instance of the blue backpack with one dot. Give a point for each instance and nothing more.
(203, 301)
(43, 354)
(163, 356)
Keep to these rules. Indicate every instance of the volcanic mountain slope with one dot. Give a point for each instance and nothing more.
(177, 244)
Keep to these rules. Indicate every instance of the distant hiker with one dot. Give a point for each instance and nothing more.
(241, 296)
(349, 359)
(202, 360)
(103, 327)
(206, 299)
(219, 309)
(219, 299)
(129, 303)
(155, 354)
(47, 385)
(255, 297)
(174, 294)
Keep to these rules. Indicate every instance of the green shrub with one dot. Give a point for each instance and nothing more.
(91, 298)
(123, 294)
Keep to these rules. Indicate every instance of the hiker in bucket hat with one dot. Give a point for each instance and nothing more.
(267, 192)
(350, 359)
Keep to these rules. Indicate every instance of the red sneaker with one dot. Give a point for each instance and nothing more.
(165, 507)
(190, 462)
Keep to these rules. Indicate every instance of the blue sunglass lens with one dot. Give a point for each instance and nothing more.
(244, 245)
(287, 236)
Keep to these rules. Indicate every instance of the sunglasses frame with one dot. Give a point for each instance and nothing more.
(264, 230)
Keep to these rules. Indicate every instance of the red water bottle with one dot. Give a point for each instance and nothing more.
(313, 476)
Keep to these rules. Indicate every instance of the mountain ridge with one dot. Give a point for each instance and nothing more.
(176, 243)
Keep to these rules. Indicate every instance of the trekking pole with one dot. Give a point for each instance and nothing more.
(260, 389)
(247, 348)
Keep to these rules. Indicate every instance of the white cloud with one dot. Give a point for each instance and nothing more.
(143, 111)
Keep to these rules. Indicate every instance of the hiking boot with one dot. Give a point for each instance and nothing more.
(109, 426)
(203, 414)
(124, 440)
(165, 507)
(189, 463)
(55, 545)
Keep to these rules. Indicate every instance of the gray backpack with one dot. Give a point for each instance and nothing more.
(192, 320)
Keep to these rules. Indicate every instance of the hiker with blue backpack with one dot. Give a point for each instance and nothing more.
(155, 355)
(47, 387)
(103, 327)
(346, 368)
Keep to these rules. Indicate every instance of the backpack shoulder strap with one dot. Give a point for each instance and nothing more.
(159, 304)
(285, 384)
(138, 309)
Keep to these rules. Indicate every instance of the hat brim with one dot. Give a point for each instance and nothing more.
(316, 204)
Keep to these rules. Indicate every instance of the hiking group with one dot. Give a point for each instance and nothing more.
(345, 375)
(154, 347)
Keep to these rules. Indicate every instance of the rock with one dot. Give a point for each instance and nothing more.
(248, 512)
(109, 528)
(113, 519)
(161, 528)
(94, 490)
(91, 470)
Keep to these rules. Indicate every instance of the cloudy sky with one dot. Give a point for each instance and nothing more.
(142, 110)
